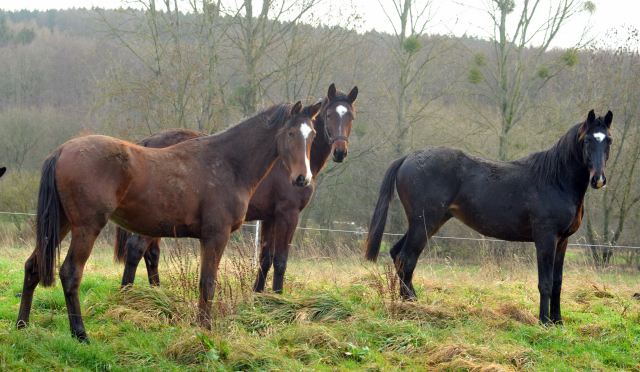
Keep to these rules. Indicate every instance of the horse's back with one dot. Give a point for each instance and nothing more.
(169, 137)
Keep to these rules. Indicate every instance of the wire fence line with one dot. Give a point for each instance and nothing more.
(363, 232)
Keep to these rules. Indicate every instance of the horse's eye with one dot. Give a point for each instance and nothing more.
(609, 140)
(290, 134)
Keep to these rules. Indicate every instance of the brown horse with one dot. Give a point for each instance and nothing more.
(199, 189)
(276, 203)
(539, 198)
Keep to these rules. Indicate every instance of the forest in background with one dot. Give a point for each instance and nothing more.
(131, 72)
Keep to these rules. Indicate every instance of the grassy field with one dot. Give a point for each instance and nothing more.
(337, 314)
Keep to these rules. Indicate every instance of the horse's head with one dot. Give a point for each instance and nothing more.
(595, 134)
(338, 118)
(294, 141)
(2, 170)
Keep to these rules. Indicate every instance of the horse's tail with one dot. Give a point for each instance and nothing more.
(120, 246)
(379, 219)
(48, 221)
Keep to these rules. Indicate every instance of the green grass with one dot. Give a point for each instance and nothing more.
(337, 314)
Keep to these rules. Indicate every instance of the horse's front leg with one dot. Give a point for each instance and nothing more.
(545, 252)
(267, 250)
(557, 281)
(285, 228)
(211, 250)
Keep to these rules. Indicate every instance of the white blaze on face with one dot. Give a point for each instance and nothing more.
(341, 110)
(305, 129)
(599, 136)
(600, 182)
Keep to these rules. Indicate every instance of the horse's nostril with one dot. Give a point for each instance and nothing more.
(300, 180)
(335, 152)
(345, 152)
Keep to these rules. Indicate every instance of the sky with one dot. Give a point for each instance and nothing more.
(456, 16)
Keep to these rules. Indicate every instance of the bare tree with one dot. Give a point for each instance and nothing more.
(414, 57)
(519, 71)
(614, 80)
(255, 37)
(178, 84)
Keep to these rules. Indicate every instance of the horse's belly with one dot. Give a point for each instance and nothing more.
(156, 222)
(494, 224)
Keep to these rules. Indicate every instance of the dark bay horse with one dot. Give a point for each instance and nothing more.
(199, 188)
(275, 202)
(538, 198)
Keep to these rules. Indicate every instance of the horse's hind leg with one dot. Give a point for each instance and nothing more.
(556, 317)
(393, 252)
(82, 240)
(136, 248)
(152, 259)
(406, 260)
(267, 250)
(420, 231)
(31, 280)
(285, 228)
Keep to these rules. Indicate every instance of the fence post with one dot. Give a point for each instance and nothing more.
(255, 252)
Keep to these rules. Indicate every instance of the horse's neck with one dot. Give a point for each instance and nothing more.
(575, 177)
(250, 147)
(320, 149)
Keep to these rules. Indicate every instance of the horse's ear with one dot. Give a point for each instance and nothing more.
(608, 119)
(331, 93)
(2, 170)
(315, 109)
(353, 94)
(295, 109)
(591, 117)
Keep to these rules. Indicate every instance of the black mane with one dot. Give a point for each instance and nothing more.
(547, 165)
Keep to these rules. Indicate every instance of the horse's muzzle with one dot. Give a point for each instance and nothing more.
(338, 156)
(301, 181)
(598, 182)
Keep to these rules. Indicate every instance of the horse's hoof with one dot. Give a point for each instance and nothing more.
(20, 324)
(409, 297)
(18, 295)
(547, 323)
(82, 338)
(205, 323)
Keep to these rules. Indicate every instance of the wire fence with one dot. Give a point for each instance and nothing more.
(446, 247)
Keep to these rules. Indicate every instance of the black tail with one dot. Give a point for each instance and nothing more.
(379, 219)
(48, 222)
(120, 246)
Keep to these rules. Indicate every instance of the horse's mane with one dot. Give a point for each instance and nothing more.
(280, 116)
(547, 165)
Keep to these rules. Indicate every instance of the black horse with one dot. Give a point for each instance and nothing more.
(538, 198)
